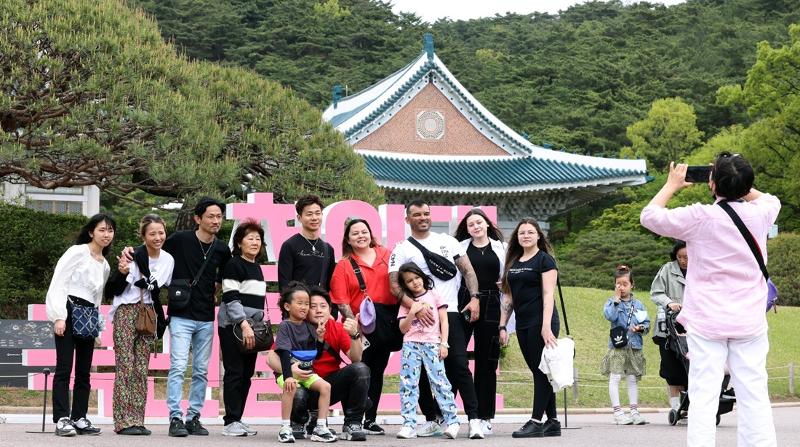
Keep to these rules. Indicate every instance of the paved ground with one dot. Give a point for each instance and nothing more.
(585, 430)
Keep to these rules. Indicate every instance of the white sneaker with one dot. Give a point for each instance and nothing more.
(451, 431)
(430, 428)
(486, 426)
(475, 429)
(407, 432)
(637, 419)
(64, 427)
(250, 431)
(622, 419)
(235, 428)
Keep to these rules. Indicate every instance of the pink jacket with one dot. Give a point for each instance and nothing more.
(726, 293)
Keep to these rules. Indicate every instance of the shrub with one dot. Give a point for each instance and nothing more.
(784, 268)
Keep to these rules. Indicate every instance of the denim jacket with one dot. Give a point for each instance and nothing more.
(617, 314)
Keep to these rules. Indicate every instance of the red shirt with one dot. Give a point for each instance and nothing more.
(344, 284)
(339, 340)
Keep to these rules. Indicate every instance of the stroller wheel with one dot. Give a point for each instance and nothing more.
(719, 418)
(673, 417)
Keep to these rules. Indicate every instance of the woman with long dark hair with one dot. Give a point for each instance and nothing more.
(529, 283)
(483, 243)
(78, 280)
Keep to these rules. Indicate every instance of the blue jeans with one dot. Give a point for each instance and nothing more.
(183, 335)
(415, 356)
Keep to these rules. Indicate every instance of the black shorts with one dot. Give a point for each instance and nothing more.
(673, 369)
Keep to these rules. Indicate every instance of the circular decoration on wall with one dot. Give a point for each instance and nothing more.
(430, 125)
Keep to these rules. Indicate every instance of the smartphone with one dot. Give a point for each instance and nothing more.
(467, 315)
(698, 174)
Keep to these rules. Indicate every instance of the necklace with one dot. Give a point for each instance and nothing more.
(205, 251)
(482, 249)
(313, 246)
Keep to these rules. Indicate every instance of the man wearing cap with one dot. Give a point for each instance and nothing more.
(349, 384)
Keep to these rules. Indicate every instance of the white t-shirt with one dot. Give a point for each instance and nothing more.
(160, 267)
(442, 244)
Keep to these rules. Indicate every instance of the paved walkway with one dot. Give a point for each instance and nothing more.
(585, 430)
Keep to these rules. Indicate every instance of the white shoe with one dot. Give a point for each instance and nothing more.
(237, 428)
(637, 419)
(407, 432)
(486, 426)
(475, 429)
(430, 428)
(451, 431)
(622, 419)
(64, 427)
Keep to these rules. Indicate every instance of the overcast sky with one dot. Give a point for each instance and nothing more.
(430, 10)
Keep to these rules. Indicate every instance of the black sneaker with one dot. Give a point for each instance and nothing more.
(133, 431)
(371, 428)
(145, 431)
(194, 427)
(177, 429)
(64, 427)
(298, 431)
(84, 427)
(531, 429)
(353, 432)
(551, 428)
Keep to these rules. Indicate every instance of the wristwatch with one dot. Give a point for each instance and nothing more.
(356, 336)
(444, 345)
(501, 328)
(474, 295)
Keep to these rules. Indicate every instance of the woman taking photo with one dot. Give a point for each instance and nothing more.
(359, 245)
(485, 249)
(726, 295)
(78, 280)
(243, 297)
(529, 282)
(139, 286)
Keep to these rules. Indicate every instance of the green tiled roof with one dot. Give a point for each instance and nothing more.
(499, 172)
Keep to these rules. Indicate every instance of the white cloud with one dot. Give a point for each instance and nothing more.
(431, 10)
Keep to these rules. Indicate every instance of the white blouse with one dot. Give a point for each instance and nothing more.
(160, 267)
(78, 274)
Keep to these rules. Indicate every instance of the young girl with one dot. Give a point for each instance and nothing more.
(423, 345)
(78, 280)
(150, 271)
(298, 341)
(624, 310)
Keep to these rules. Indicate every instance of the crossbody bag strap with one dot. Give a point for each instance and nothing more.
(414, 242)
(630, 315)
(205, 263)
(563, 308)
(359, 276)
(747, 235)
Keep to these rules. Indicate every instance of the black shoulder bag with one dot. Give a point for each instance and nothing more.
(619, 334)
(772, 290)
(179, 292)
(439, 266)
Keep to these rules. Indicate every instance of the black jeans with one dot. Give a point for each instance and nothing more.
(457, 369)
(348, 385)
(487, 354)
(376, 358)
(239, 370)
(531, 344)
(82, 350)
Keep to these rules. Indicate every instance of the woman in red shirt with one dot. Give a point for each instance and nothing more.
(360, 245)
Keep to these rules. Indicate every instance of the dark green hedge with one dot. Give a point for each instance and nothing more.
(784, 267)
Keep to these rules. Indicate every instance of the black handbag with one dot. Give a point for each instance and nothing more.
(619, 334)
(262, 331)
(439, 266)
(85, 318)
(179, 292)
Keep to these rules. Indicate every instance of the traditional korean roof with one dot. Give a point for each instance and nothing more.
(496, 174)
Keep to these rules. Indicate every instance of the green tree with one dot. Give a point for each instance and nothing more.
(668, 133)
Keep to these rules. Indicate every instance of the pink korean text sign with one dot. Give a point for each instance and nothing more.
(278, 221)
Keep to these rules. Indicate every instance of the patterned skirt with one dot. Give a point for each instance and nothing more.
(625, 361)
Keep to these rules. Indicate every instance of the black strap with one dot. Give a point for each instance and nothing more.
(630, 315)
(359, 276)
(563, 308)
(205, 263)
(425, 251)
(747, 235)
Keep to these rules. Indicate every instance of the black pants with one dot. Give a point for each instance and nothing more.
(487, 354)
(457, 369)
(81, 350)
(239, 370)
(376, 358)
(348, 385)
(531, 344)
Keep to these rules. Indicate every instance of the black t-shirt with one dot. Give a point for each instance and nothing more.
(486, 265)
(189, 252)
(304, 260)
(525, 282)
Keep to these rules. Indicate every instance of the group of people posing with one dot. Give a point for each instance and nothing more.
(426, 298)
(323, 352)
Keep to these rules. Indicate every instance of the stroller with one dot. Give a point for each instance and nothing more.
(676, 342)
